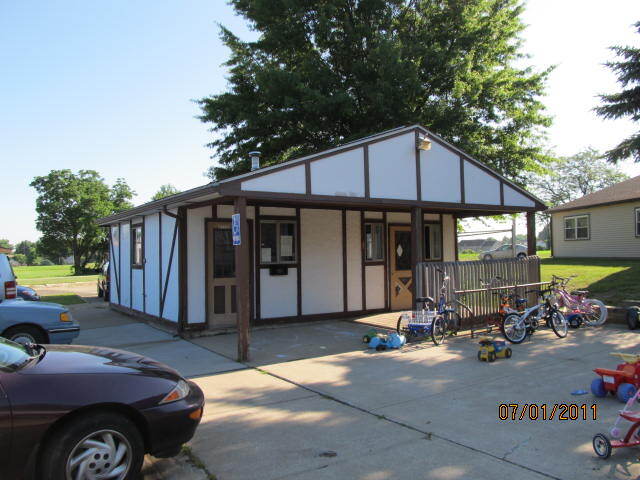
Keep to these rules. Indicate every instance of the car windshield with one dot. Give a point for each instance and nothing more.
(13, 356)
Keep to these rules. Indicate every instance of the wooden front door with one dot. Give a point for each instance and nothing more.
(221, 276)
(401, 273)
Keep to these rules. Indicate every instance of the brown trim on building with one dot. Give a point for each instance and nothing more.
(367, 190)
(502, 193)
(307, 177)
(256, 260)
(112, 263)
(386, 262)
(169, 267)
(345, 295)
(159, 263)
(299, 262)
(462, 192)
(183, 279)
(417, 249)
(418, 175)
(363, 263)
(455, 238)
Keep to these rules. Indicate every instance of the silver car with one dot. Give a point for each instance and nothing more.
(504, 251)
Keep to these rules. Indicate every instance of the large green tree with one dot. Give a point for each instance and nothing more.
(164, 191)
(68, 205)
(5, 243)
(569, 178)
(29, 250)
(324, 72)
(625, 103)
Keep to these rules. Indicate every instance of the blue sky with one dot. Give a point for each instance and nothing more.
(109, 86)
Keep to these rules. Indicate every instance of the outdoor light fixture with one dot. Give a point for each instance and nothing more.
(255, 160)
(424, 143)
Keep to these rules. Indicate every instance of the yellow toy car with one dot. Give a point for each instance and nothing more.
(492, 349)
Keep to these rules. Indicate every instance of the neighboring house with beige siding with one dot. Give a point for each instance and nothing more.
(605, 223)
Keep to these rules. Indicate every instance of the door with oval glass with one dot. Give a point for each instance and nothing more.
(401, 273)
(221, 276)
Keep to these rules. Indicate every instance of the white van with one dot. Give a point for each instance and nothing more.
(8, 286)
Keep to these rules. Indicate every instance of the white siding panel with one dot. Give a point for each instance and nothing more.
(448, 238)
(514, 198)
(288, 180)
(225, 211)
(171, 302)
(152, 264)
(374, 215)
(440, 172)
(321, 277)
(612, 233)
(278, 211)
(278, 294)
(354, 262)
(392, 168)
(115, 275)
(125, 263)
(341, 174)
(479, 186)
(136, 290)
(374, 277)
(195, 264)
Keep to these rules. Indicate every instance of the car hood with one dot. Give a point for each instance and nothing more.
(79, 359)
(42, 306)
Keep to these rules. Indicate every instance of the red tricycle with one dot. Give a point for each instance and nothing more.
(622, 382)
(601, 443)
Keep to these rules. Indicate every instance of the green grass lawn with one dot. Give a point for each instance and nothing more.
(37, 275)
(474, 256)
(63, 299)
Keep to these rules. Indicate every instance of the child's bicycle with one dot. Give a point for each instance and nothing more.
(436, 320)
(601, 443)
(582, 310)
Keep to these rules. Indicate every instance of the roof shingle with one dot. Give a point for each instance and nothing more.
(626, 191)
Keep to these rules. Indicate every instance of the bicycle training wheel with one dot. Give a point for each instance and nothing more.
(438, 330)
(595, 312)
(513, 328)
(559, 324)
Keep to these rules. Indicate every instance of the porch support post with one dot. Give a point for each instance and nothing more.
(531, 233)
(243, 284)
(417, 247)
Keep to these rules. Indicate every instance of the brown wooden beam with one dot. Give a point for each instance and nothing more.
(417, 247)
(243, 281)
(531, 233)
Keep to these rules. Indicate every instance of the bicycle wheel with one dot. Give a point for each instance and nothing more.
(594, 312)
(559, 324)
(438, 330)
(513, 328)
(402, 327)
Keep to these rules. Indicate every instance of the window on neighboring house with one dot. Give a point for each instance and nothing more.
(432, 241)
(277, 241)
(374, 242)
(136, 246)
(576, 227)
(637, 222)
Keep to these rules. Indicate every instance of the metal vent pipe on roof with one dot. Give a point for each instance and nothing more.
(255, 160)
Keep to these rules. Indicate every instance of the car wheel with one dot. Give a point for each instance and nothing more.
(487, 257)
(102, 445)
(25, 334)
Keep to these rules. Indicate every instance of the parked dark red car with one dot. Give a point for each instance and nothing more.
(89, 412)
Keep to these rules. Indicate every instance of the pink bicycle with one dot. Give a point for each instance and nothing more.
(589, 311)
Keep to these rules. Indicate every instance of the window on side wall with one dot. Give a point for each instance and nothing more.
(637, 222)
(432, 241)
(136, 246)
(277, 242)
(374, 242)
(576, 227)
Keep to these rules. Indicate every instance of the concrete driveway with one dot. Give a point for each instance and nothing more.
(314, 404)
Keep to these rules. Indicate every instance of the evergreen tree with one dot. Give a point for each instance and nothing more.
(325, 72)
(625, 103)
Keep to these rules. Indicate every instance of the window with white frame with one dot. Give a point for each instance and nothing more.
(638, 222)
(576, 227)
(277, 241)
(374, 242)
